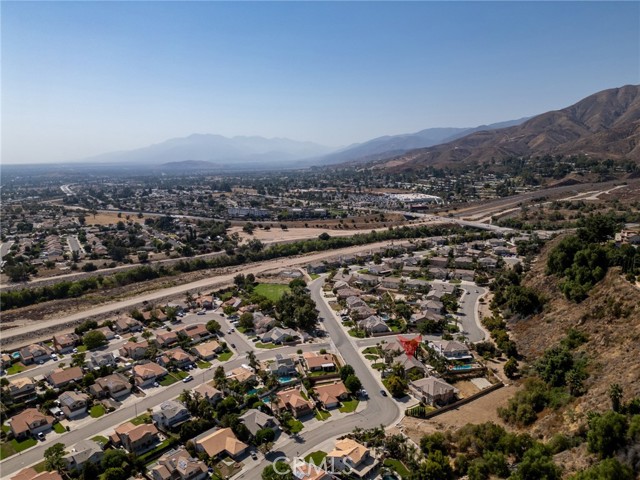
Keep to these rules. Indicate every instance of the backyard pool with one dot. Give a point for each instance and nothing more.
(253, 391)
(16, 355)
(463, 367)
(286, 379)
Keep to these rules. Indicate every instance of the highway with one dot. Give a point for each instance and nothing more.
(11, 336)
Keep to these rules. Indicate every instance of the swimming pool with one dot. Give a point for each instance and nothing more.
(16, 355)
(463, 367)
(253, 391)
(286, 379)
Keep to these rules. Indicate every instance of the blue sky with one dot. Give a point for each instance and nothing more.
(84, 78)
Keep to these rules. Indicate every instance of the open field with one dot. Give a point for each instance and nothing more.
(272, 291)
(479, 411)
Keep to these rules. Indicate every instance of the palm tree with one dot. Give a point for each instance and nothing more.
(253, 361)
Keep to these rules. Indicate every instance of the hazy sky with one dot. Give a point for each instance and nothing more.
(80, 79)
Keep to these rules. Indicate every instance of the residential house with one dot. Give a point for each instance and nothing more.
(208, 392)
(433, 391)
(22, 389)
(73, 404)
(30, 473)
(35, 354)
(433, 306)
(87, 451)
(154, 315)
(134, 350)
(346, 292)
(354, 302)
(319, 361)
(116, 385)
(166, 339)
(382, 269)
(393, 283)
(439, 262)
(220, 441)
(359, 313)
(316, 268)
(373, 324)
(107, 332)
(197, 332)
(102, 359)
(5, 361)
(145, 374)
(416, 284)
(256, 420)
(351, 456)
(464, 262)
(438, 273)
(242, 374)
(136, 439)
(425, 316)
(29, 422)
(170, 414)
(280, 335)
(409, 363)
(176, 356)
(262, 323)
(488, 263)
(127, 324)
(65, 342)
(179, 465)
(365, 280)
(60, 378)
(330, 395)
(293, 401)
(205, 301)
(283, 366)
(309, 471)
(208, 350)
(467, 275)
(451, 350)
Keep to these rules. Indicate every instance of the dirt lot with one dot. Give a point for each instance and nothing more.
(110, 219)
(466, 388)
(479, 411)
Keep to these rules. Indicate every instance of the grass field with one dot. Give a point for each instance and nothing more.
(295, 426)
(223, 357)
(11, 448)
(397, 466)
(97, 411)
(349, 406)
(266, 345)
(203, 365)
(100, 439)
(168, 380)
(140, 419)
(59, 428)
(15, 368)
(315, 457)
(272, 291)
(322, 414)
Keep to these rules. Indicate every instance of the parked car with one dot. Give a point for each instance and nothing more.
(383, 393)
(156, 384)
(254, 456)
(41, 436)
(202, 312)
(186, 379)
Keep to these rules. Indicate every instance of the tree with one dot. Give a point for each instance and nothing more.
(396, 385)
(536, 464)
(94, 339)
(114, 458)
(615, 394)
(352, 383)
(345, 371)
(53, 457)
(434, 442)
(435, 467)
(607, 433)
(511, 368)
(246, 321)
(116, 473)
(78, 359)
(605, 470)
(277, 471)
(265, 435)
(213, 326)
(253, 361)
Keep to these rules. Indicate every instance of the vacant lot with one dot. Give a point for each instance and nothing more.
(479, 411)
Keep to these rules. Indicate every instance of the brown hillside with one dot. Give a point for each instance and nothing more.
(606, 124)
(611, 319)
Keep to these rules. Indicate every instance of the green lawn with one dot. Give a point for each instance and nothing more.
(39, 467)
(314, 276)
(272, 291)
(371, 350)
(11, 448)
(140, 419)
(357, 333)
(82, 348)
(168, 380)
(97, 411)
(6, 428)
(59, 428)
(322, 414)
(378, 366)
(180, 374)
(223, 357)
(204, 365)
(349, 406)
(295, 426)
(371, 357)
(266, 345)
(100, 439)
(15, 368)
(397, 466)
(316, 457)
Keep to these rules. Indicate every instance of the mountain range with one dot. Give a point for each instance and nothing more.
(604, 125)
